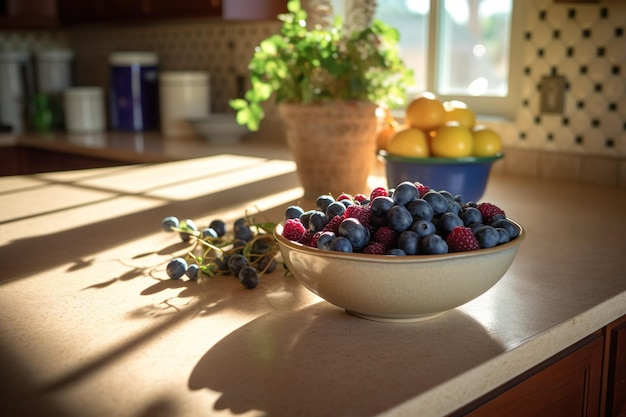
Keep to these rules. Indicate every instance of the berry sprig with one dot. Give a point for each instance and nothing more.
(248, 251)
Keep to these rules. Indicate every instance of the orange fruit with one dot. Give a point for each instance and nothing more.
(457, 111)
(386, 132)
(487, 142)
(410, 142)
(425, 113)
(452, 141)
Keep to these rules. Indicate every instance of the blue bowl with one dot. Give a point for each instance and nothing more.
(465, 176)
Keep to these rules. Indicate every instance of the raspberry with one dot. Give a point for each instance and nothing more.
(423, 189)
(333, 224)
(307, 239)
(386, 236)
(462, 239)
(360, 198)
(374, 248)
(378, 191)
(293, 230)
(345, 196)
(489, 210)
(362, 213)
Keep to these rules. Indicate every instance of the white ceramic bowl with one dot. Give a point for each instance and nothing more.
(219, 128)
(397, 288)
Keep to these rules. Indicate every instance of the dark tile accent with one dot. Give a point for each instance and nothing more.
(540, 52)
(556, 34)
(569, 51)
(550, 137)
(565, 121)
(604, 13)
(580, 104)
(578, 139)
(595, 122)
(612, 106)
(522, 135)
(601, 51)
(609, 143)
(537, 120)
(586, 33)
(527, 70)
(615, 70)
(619, 32)
(571, 13)
(598, 87)
(542, 15)
(525, 103)
(528, 36)
(583, 69)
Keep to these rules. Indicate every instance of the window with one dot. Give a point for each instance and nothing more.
(466, 50)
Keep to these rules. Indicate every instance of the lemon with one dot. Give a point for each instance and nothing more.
(457, 111)
(452, 141)
(487, 142)
(386, 133)
(425, 113)
(410, 142)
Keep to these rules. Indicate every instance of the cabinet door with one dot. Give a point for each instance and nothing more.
(28, 14)
(569, 387)
(184, 8)
(616, 384)
(90, 11)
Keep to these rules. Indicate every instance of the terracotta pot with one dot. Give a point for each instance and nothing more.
(333, 145)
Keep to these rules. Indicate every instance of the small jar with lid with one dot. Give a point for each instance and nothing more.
(84, 109)
(184, 95)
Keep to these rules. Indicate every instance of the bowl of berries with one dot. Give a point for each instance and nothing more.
(405, 254)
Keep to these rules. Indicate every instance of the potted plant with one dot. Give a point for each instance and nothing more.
(328, 75)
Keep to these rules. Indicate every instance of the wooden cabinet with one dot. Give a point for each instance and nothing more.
(18, 160)
(615, 369)
(28, 14)
(137, 11)
(587, 380)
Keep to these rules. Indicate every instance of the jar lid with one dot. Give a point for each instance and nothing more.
(184, 77)
(55, 54)
(133, 58)
(83, 93)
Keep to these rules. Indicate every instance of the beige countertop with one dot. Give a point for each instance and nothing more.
(91, 326)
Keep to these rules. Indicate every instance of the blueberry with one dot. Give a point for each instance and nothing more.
(504, 236)
(459, 199)
(219, 226)
(169, 222)
(423, 227)
(248, 276)
(454, 207)
(420, 209)
(507, 225)
(471, 215)
(304, 218)
(176, 268)
(475, 226)
(404, 192)
(243, 232)
(487, 237)
(447, 194)
(355, 232)
(192, 272)
(378, 221)
(408, 241)
(380, 205)
(317, 221)
(399, 218)
(396, 252)
(335, 209)
(438, 202)
(433, 245)
(260, 247)
(324, 240)
(236, 263)
(293, 212)
(447, 222)
(496, 217)
(209, 232)
(190, 227)
(267, 264)
(341, 244)
(323, 201)
(222, 262)
(347, 202)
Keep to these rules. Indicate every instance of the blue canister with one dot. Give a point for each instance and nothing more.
(134, 91)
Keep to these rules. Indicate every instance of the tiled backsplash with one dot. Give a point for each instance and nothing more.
(585, 43)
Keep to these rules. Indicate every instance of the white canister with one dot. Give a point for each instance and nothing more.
(84, 109)
(183, 95)
(54, 73)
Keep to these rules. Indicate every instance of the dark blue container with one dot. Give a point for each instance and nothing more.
(134, 91)
(465, 176)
